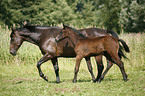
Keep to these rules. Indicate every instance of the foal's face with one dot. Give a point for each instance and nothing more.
(63, 34)
(15, 42)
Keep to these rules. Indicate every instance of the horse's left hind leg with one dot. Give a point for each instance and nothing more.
(90, 68)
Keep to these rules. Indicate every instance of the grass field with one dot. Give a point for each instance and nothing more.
(19, 75)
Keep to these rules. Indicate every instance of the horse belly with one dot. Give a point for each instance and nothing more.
(68, 52)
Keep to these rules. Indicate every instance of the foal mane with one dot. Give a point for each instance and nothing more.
(76, 31)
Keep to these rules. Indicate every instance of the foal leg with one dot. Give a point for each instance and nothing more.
(109, 65)
(100, 66)
(56, 68)
(45, 58)
(78, 60)
(121, 66)
(118, 61)
(90, 67)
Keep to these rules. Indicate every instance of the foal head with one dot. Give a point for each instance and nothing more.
(16, 40)
(68, 32)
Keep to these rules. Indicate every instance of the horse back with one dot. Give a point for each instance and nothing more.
(94, 32)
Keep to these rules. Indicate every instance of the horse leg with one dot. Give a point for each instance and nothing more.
(56, 68)
(78, 60)
(90, 67)
(109, 65)
(100, 66)
(120, 64)
(45, 58)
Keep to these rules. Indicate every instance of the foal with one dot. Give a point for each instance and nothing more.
(87, 47)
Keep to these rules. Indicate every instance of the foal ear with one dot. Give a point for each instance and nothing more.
(64, 26)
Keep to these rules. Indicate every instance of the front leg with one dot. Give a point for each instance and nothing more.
(78, 60)
(45, 58)
(56, 69)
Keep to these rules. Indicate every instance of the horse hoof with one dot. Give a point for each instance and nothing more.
(45, 78)
(58, 81)
(74, 81)
(94, 81)
(98, 81)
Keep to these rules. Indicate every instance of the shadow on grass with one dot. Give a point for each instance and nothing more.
(85, 80)
(109, 80)
(70, 81)
(22, 80)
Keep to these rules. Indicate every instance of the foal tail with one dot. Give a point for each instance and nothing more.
(124, 45)
(120, 52)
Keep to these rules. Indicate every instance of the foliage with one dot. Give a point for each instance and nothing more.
(111, 14)
(132, 17)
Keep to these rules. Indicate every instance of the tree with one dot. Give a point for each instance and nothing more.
(108, 13)
(132, 17)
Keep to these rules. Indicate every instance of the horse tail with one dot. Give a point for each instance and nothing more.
(124, 45)
(120, 52)
(114, 34)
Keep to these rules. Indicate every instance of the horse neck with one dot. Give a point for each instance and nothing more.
(31, 37)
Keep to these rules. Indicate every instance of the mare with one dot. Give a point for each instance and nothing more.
(44, 38)
(85, 47)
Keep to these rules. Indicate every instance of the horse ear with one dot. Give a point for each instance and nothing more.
(65, 25)
(12, 29)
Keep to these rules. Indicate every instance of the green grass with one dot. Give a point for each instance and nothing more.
(19, 75)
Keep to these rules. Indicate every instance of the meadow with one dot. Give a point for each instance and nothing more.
(19, 75)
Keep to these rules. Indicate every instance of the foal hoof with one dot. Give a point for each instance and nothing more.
(74, 81)
(57, 80)
(99, 80)
(94, 81)
(125, 80)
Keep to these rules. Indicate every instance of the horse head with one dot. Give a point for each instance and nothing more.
(16, 40)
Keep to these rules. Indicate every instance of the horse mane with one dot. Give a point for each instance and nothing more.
(76, 31)
(32, 28)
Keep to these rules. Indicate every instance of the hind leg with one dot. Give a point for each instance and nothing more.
(109, 65)
(121, 66)
(78, 60)
(117, 60)
(90, 67)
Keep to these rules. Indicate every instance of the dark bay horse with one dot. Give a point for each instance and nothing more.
(44, 38)
(86, 47)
